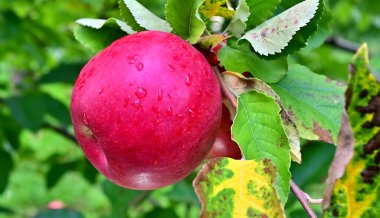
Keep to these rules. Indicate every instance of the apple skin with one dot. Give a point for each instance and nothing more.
(146, 110)
(223, 145)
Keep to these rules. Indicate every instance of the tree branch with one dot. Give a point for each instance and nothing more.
(302, 199)
(61, 131)
(343, 44)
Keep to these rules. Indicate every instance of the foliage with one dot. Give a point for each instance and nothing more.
(40, 160)
(356, 193)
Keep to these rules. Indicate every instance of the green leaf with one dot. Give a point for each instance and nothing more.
(61, 213)
(258, 130)
(322, 31)
(260, 11)
(31, 109)
(121, 197)
(184, 19)
(314, 103)
(88, 171)
(238, 22)
(140, 18)
(238, 84)
(97, 34)
(162, 213)
(10, 130)
(197, 25)
(6, 164)
(274, 35)
(317, 157)
(270, 71)
(238, 188)
(57, 170)
(183, 192)
(357, 192)
(64, 73)
(300, 39)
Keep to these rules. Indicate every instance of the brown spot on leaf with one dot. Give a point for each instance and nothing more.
(373, 144)
(348, 96)
(352, 69)
(324, 135)
(363, 93)
(377, 158)
(264, 32)
(335, 212)
(372, 107)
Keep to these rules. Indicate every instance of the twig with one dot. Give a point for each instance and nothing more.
(61, 131)
(343, 44)
(302, 199)
(313, 200)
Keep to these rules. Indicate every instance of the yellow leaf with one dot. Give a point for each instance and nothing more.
(238, 188)
(357, 193)
(211, 8)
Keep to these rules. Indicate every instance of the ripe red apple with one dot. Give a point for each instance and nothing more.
(223, 145)
(146, 110)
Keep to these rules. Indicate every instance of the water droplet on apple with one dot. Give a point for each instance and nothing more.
(141, 92)
(137, 103)
(85, 119)
(170, 95)
(159, 95)
(131, 59)
(188, 80)
(155, 162)
(81, 85)
(199, 93)
(171, 68)
(179, 116)
(191, 112)
(139, 66)
(100, 91)
(170, 111)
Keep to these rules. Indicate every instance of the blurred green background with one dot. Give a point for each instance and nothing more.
(40, 162)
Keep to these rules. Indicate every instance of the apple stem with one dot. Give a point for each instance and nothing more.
(302, 197)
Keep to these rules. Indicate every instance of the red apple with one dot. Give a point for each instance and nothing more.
(146, 110)
(223, 145)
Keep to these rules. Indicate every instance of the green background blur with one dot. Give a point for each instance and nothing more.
(40, 162)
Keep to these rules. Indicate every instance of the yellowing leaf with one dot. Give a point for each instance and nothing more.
(357, 193)
(211, 8)
(238, 188)
(210, 41)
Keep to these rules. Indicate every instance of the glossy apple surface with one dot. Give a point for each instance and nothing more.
(146, 110)
(223, 145)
